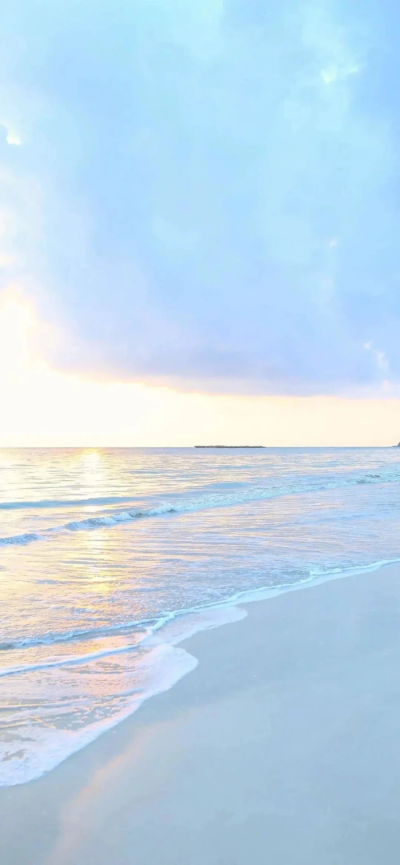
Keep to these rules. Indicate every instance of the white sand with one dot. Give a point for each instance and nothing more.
(281, 748)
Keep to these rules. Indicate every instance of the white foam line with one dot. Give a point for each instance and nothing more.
(65, 743)
(66, 662)
(315, 578)
(169, 665)
(246, 596)
(54, 639)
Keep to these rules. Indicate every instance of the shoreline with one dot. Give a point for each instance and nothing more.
(165, 639)
(276, 716)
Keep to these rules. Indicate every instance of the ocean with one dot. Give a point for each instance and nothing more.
(110, 557)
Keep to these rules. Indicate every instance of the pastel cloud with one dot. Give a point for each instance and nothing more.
(207, 193)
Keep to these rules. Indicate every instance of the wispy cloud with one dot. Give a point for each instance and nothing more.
(379, 356)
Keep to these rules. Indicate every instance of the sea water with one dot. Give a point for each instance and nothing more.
(110, 557)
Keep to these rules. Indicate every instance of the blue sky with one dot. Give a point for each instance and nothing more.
(205, 193)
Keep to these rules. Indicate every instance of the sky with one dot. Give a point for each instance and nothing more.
(199, 222)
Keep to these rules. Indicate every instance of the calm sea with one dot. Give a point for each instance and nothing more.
(108, 558)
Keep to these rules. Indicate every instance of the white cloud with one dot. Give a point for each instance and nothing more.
(329, 75)
(12, 136)
(335, 73)
(13, 139)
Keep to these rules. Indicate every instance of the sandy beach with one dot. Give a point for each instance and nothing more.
(280, 748)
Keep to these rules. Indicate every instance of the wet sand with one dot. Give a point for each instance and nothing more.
(281, 748)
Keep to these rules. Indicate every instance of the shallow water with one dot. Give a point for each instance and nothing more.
(104, 552)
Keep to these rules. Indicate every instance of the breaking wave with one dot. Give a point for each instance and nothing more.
(19, 540)
(180, 506)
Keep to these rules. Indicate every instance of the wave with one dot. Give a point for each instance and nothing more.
(51, 746)
(50, 638)
(205, 502)
(20, 540)
(65, 662)
(123, 517)
(150, 627)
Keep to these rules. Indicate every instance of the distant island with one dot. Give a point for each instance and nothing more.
(231, 447)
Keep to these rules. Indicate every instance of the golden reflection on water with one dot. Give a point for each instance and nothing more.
(93, 472)
(98, 572)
